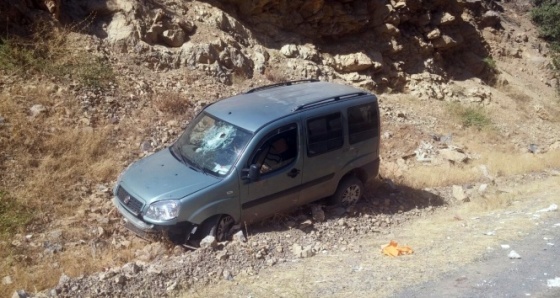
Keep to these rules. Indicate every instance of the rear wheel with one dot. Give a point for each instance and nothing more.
(349, 191)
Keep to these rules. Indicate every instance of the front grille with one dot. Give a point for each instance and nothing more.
(131, 203)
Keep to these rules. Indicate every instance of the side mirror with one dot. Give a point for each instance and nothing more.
(254, 173)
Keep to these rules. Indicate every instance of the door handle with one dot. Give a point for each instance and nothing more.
(293, 173)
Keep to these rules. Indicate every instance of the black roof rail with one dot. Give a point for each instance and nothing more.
(325, 100)
(282, 84)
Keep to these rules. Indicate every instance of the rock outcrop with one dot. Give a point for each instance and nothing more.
(375, 44)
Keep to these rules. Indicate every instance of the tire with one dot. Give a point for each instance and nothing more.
(219, 228)
(349, 191)
(178, 234)
(223, 228)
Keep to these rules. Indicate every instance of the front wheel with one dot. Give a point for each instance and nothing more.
(223, 228)
(349, 191)
(220, 228)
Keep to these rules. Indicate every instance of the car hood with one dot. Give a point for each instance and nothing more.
(161, 176)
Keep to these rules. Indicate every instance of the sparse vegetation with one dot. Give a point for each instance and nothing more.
(499, 165)
(471, 116)
(437, 176)
(475, 117)
(546, 14)
(238, 77)
(43, 163)
(95, 74)
(490, 63)
(275, 75)
(13, 215)
(49, 52)
(172, 103)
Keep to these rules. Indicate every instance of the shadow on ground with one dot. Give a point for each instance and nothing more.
(382, 198)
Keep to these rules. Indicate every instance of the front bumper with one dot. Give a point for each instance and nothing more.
(151, 232)
(136, 225)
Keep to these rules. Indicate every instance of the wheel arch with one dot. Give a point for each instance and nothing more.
(356, 172)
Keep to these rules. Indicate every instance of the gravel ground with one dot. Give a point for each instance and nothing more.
(337, 256)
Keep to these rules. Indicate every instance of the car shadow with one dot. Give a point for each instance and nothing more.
(382, 198)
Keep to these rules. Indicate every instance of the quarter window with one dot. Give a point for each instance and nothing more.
(324, 134)
(362, 123)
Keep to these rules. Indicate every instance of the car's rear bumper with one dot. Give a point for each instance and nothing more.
(372, 169)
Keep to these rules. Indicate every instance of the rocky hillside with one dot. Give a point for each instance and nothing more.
(465, 87)
(377, 44)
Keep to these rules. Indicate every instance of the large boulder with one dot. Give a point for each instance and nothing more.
(357, 62)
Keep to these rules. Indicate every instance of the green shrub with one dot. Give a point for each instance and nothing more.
(471, 116)
(17, 56)
(490, 63)
(13, 216)
(546, 15)
(475, 117)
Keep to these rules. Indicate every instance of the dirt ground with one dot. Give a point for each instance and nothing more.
(452, 238)
(79, 240)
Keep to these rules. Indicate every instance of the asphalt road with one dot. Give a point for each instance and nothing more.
(496, 275)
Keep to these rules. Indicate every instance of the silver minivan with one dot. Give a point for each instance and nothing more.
(253, 155)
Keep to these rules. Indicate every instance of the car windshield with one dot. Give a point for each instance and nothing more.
(211, 145)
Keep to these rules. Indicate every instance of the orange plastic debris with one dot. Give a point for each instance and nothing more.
(394, 250)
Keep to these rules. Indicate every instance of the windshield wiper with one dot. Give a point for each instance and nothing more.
(175, 151)
(208, 172)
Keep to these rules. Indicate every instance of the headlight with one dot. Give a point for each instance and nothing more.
(163, 210)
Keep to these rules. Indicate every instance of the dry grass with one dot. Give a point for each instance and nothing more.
(275, 75)
(43, 162)
(82, 260)
(498, 163)
(505, 164)
(51, 52)
(435, 176)
(172, 103)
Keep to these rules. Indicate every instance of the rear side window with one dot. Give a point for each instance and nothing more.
(324, 134)
(362, 123)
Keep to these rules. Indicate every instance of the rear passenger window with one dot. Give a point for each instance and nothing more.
(324, 134)
(362, 123)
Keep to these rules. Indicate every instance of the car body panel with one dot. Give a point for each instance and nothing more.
(277, 191)
(161, 176)
(272, 113)
(252, 111)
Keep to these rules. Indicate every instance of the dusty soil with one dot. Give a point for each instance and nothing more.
(88, 253)
(450, 238)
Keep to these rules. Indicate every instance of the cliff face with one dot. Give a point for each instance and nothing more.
(320, 18)
(408, 36)
(375, 44)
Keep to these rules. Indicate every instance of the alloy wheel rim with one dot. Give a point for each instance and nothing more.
(223, 227)
(351, 194)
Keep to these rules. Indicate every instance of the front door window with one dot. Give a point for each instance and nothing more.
(278, 151)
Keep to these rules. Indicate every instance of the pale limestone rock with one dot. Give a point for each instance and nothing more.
(290, 50)
(433, 34)
(459, 194)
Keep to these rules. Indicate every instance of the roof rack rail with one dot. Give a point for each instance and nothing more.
(282, 84)
(325, 100)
